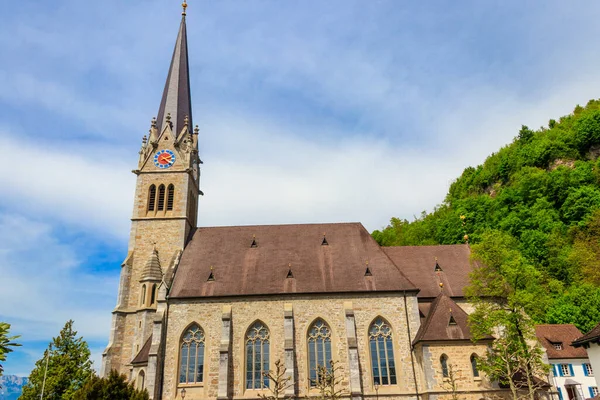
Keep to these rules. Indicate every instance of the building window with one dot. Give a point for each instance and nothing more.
(594, 391)
(161, 198)
(444, 364)
(141, 380)
(191, 364)
(565, 370)
(382, 353)
(557, 346)
(170, 197)
(143, 295)
(257, 356)
(474, 365)
(319, 349)
(151, 197)
(587, 369)
(153, 295)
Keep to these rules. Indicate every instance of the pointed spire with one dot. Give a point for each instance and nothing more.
(152, 270)
(176, 98)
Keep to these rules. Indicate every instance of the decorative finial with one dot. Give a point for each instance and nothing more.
(153, 123)
(196, 130)
(441, 285)
(144, 140)
(211, 267)
(184, 5)
(168, 117)
(366, 262)
(186, 121)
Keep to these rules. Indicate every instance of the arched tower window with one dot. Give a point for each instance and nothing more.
(474, 365)
(141, 380)
(382, 353)
(143, 295)
(151, 197)
(191, 357)
(153, 295)
(161, 198)
(319, 348)
(444, 365)
(170, 197)
(257, 356)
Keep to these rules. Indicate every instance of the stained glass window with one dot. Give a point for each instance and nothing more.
(191, 367)
(382, 353)
(257, 356)
(319, 348)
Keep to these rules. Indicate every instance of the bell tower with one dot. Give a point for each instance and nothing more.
(164, 215)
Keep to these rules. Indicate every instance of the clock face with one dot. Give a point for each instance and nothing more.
(164, 158)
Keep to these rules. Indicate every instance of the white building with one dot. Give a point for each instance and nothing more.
(591, 343)
(572, 373)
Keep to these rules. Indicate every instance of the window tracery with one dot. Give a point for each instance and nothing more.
(191, 361)
(319, 348)
(257, 356)
(382, 353)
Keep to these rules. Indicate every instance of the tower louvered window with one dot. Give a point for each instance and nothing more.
(191, 361)
(161, 198)
(257, 356)
(319, 349)
(382, 353)
(152, 198)
(170, 197)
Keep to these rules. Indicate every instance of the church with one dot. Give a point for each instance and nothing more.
(206, 312)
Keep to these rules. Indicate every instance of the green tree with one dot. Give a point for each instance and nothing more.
(506, 291)
(6, 343)
(68, 363)
(114, 387)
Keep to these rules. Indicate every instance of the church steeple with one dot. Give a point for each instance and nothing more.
(176, 98)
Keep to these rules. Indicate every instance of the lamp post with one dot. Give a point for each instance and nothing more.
(45, 371)
(183, 393)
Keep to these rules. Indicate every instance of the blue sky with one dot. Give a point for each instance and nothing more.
(309, 111)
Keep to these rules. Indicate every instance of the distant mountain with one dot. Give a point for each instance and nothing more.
(11, 387)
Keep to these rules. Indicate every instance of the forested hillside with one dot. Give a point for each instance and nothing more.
(543, 189)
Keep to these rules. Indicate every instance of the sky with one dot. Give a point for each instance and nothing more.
(311, 111)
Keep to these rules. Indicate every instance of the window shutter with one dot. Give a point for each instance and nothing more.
(555, 369)
(560, 394)
(571, 369)
(585, 371)
(560, 370)
(591, 391)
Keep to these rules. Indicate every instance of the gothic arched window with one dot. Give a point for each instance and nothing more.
(141, 380)
(319, 349)
(170, 197)
(474, 365)
(444, 365)
(257, 356)
(151, 197)
(161, 198)
(153, 295)
(382, 353)
(143, 295)
(191, 361)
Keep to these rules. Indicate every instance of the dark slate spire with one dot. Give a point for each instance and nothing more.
(176, 98)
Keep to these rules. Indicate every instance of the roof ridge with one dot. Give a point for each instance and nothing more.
(284, 224)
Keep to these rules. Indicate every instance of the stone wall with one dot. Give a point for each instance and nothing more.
(306, 309)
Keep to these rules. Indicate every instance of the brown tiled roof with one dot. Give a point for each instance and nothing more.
(563, 334)
(438, 325)
(241, 269)
(591, 336)
(142, 355)
(418, 264)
